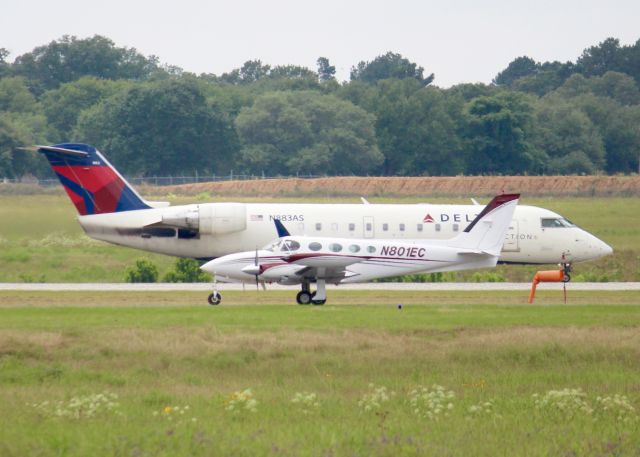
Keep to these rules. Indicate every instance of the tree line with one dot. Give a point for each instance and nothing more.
(390, 118)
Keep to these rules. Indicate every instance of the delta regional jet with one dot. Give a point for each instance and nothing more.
(111, 210)
(303, 260)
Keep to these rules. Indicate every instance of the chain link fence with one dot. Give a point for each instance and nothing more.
(163, 180)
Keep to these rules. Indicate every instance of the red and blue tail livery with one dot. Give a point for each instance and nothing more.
(93, 185)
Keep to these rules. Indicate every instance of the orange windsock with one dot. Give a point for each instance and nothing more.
(545, 276)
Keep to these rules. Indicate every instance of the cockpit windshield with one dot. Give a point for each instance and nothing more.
(556, 222)
(283, 246)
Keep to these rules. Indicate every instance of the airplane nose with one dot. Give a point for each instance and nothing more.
(598, 248)
(605, 248)
(210, 266)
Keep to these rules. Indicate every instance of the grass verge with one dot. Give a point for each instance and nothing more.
(170, 371)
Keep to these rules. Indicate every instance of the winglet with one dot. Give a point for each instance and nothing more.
(486, 234)
(497, 201)
(281, 229)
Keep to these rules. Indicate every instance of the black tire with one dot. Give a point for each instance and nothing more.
(566, 278)
(303, 298)
(214, 299)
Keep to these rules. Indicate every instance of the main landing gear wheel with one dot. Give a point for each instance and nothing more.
(566, 277)
(303, 297)
(214, 298)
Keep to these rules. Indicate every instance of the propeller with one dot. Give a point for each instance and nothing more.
(254, 269)
(255, 263)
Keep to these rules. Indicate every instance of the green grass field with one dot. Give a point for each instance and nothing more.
(152, 355)
(41, 241)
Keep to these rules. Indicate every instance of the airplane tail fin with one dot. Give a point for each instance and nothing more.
(485, 234)
(92, 183)
(281, 229)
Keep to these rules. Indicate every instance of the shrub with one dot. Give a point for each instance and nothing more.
(487, 276)
(143, 271)
(187, 270)
(421, 277)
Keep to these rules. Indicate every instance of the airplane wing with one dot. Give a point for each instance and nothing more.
(332, 274)
(323, 260)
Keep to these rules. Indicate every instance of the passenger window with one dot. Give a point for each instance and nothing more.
(385, 227)
(368, 226)
(318, 226)
(354, 248)
(456, 227)
(438, 227)
(420, 227)
(315, 246)
(402, 227)
(335, 247)
(371, 249)
(352, 227)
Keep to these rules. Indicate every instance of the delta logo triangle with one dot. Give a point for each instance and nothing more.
(427, 218)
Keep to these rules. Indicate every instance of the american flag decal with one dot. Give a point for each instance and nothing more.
(256, 217)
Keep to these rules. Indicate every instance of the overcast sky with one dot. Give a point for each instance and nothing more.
(459, 41)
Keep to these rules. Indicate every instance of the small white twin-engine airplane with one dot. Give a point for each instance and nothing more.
(303, 260)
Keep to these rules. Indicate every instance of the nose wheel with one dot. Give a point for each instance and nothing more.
(566, 268)
(214, 298)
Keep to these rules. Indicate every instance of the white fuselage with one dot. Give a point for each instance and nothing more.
(344, 260)
(211, 230)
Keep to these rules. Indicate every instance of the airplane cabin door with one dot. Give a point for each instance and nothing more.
(511, 238)
(368, 227)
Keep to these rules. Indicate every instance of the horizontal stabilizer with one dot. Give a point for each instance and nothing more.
(63, 151)
(158, 204)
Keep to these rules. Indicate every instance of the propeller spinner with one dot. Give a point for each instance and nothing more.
(255, 269)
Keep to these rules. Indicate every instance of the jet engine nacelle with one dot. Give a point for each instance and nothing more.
(219, 218)
(211, 218)
(187, 219)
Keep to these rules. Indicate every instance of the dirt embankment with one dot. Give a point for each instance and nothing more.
(533, 186)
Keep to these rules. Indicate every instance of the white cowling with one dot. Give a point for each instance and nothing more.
(187, 219)
(220, 218)
(210, 218)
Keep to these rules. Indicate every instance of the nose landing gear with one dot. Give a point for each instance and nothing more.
(566, 270)
(214, 298)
